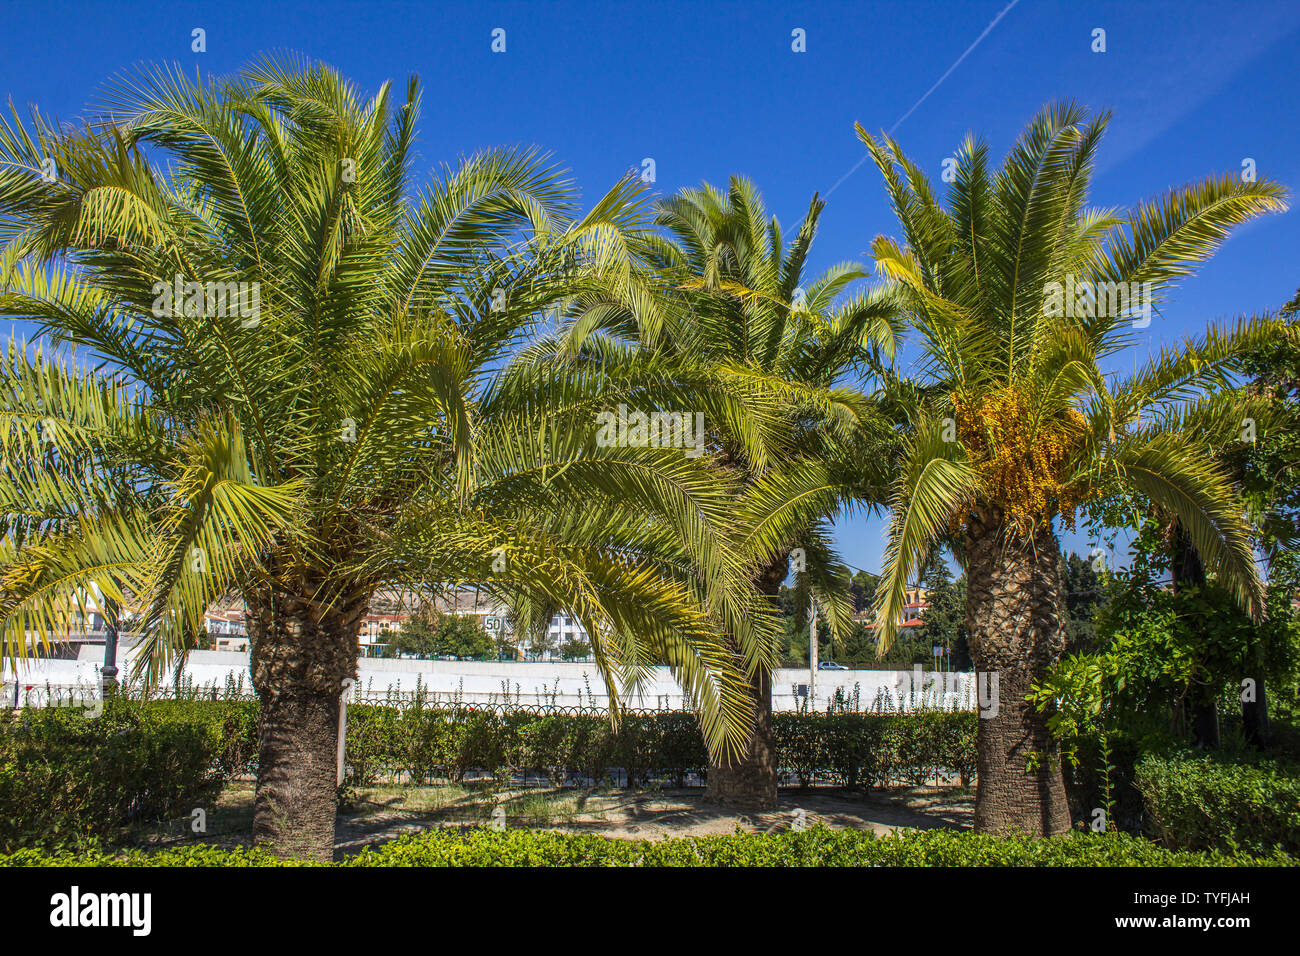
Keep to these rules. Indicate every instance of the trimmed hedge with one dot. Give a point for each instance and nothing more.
(815, 847)
(871, 750)
(66, 778)
(1198, 802)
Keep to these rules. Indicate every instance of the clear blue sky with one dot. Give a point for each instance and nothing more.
(712, 89)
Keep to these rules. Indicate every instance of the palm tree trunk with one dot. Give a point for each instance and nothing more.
(1187, 569)
(748, 780)
(1254, 714)
(1013, 608)
(300, 655)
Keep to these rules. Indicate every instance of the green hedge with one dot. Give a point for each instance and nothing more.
(423, 744)
(851, 749)
(66, 778)
(1200, 802)
(815, 847)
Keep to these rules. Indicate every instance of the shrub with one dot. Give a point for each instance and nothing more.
(818, 846)
(1202, 802)
(67, 779)
(853, 749)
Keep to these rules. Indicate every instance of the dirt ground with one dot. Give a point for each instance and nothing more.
(383, 813)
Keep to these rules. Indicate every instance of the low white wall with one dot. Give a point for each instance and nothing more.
(531, 683)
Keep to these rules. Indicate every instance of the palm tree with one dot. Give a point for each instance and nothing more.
(725, 300)
(1016, 291)
(290, 389)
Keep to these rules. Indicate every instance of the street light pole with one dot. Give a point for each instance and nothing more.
(109, 673)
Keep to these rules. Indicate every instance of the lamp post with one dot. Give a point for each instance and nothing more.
(109, 673)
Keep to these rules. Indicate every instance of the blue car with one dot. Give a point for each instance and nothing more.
(831, 666)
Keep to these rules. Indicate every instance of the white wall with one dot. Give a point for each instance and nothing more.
(527, 683)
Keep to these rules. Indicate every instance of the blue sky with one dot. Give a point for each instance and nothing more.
(708, 90)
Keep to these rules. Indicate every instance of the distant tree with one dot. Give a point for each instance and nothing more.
(786, 601)
(460, 635)
(1270, 474)
(945, 617)
(574, 648)
(430, 633)
(862, 590)
(507, 649)
(417, 636)
(1084, 595)
(1292, 307)
(857, 649)
(540, 642)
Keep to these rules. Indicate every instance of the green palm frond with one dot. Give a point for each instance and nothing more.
(1020, 295)
(365, 426)
(935, 482)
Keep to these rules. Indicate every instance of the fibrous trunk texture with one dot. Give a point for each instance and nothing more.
(1013, 606)
(301, 652)
(1187, 569)
(747, 781)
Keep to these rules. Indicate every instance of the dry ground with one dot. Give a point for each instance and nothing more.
(382, 813)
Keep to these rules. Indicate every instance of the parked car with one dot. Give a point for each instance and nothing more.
(831, 666)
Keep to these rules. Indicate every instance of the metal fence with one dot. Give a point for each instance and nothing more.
(20, 694)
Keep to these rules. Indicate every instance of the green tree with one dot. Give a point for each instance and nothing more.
(1084, 592)
(1018, 293)
(1269, 468)
(945, 616)
(1158, 652)
(862, 590)
(417, 636)
(574, 649)
(729, 295)
(431, 633)
(460, 635)
(289, 386)
(857, 648)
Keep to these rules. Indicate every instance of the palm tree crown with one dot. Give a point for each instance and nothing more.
(1019, 293)
(295, 387)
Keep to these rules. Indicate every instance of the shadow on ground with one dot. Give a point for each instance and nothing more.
(382, 813)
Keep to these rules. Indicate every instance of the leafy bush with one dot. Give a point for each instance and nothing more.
(1201, 802)
(815, 847)
(877, 750)
(67, 779)
(853, 749)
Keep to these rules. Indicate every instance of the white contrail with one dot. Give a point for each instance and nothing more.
(987, 30)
